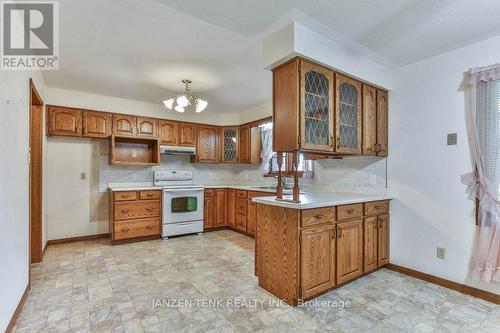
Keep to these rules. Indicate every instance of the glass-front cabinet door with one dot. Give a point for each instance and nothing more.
(316, 107)
(348, 115)
(230, 140)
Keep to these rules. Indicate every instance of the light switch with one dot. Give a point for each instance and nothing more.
(441, 253)
(452, 139)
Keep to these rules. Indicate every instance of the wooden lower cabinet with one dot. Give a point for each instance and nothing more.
(383, 239)
(134, 215)
(333, 249)
(370, 244)
(220, 208)
(209, 209)
(317, 259)
(230, 207)
(349, 250)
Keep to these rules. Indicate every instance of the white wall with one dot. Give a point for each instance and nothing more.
(431, 208)
(14, 186)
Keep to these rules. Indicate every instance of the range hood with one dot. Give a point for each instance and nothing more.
(176, 150)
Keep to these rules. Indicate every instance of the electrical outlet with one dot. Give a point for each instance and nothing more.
(83, 175)
(441, 252)
(452, 139)
(134, 154)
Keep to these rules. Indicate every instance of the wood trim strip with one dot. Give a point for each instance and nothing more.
(45, 249)
(17, 312)
(462, 288)
(76, 239)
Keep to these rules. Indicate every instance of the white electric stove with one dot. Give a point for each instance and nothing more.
(182, 202)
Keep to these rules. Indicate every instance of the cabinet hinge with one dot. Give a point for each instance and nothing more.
(299, 67)
(300, 291)
(298, 139)
(300, 238)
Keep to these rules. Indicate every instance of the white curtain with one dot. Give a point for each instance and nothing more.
(266, 135)
(483, 126)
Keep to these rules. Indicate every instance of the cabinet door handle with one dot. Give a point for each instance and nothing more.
(149, 209)
(332, 141)
(339, 233)
(149, 195)
(149, 227)
(334, 233)
(350, 211)
(380, 224)
(125, 230)
(125, 195)
(125, 211)
(318, 216)
(338, 142)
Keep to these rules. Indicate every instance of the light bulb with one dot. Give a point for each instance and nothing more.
(201, 105)
(179, 108)
(182, 101)
(168, 103)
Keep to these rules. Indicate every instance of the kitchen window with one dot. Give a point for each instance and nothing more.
(483, 183)
(270, 158)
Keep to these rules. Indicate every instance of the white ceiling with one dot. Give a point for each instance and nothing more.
(142, 49)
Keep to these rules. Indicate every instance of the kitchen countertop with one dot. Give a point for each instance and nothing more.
(143, 186)
(322, 199)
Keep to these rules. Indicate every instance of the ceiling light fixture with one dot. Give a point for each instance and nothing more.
(186, 100)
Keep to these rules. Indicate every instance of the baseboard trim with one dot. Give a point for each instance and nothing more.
(77, 239)
(19, 307)
(464, 289)
(45, 249)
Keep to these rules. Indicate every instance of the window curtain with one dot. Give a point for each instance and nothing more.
(266, 135)
(482, 110)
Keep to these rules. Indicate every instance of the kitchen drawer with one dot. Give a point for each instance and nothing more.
(209, 192)
(241, 222)
(150, 195)
(349, 211)
(125, 195)
(136, 228)
(136, 210)
(376, 208)
(317, 216)
(241, 206)
(241, 194)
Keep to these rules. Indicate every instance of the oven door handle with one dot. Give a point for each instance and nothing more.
(184, 190)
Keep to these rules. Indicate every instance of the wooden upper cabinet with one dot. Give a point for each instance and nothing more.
(229, 137)
(147, 127)
(382, 123)
(207, 144)
(187, 135)
(220, 208)
(369, 120)
(97, 124)
(349, 250)
(370, 260)
(244, 144)
(286, 100)
(124, 125)
(348, 115)
(383, 239)
(64, 121)
(168, 132)
(317, 262)
(316, 109)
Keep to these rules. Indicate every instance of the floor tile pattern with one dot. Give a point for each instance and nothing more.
(94, 287)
